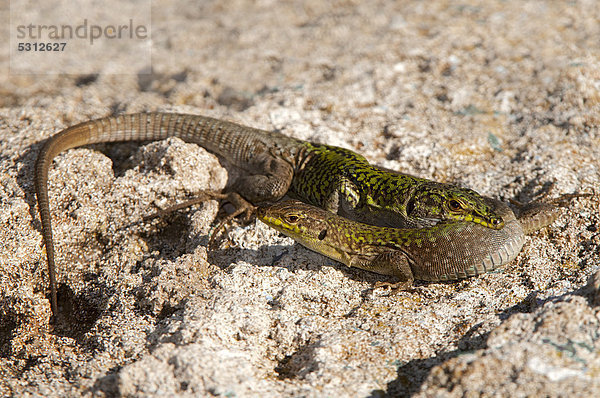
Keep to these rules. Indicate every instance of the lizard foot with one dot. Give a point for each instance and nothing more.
(564, 199)
(538, 214)
(242, 206)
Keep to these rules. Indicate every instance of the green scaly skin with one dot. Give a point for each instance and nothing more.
(336, 179)
(448, 250)
(343, 182)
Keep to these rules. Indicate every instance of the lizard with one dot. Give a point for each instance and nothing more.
(335, 179)
(449, 250)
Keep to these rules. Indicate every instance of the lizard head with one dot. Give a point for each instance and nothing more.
(310, 226)
(287, 217)
(436, 201)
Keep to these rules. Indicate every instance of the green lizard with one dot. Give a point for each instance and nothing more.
(335, 179)
(446, 251)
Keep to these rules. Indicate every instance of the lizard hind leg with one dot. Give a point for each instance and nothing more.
(536, 215)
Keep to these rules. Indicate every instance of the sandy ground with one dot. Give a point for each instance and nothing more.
(499, 96)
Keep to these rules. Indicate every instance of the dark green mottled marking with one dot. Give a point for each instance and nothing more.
(344, 182)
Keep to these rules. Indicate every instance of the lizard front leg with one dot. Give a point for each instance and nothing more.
(269, 179)
(390, 262)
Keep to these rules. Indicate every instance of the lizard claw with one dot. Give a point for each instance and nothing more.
(202, 197)
(242, 206)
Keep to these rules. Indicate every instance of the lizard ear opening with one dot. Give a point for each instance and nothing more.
(410, 206)
(322, 234)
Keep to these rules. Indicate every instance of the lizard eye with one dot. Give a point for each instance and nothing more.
(454, 205)
(292, 218)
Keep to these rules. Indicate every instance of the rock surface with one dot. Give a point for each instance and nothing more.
(499, 96)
